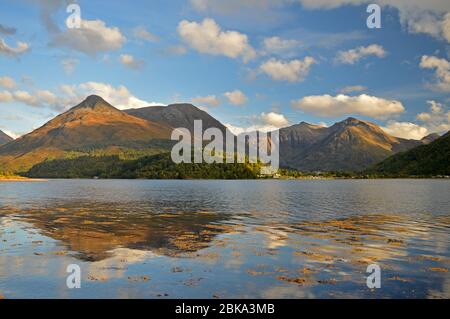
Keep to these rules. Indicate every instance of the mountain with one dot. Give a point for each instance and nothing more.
(350, 145)
(177, 116)
(296, 140)
(93, 124)
(4, 138)
(431, 159)
(95, 128)
(430, 138)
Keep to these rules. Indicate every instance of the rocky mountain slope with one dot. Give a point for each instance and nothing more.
(93, 124)
(350, 145)
(177, 116)
(4, 138)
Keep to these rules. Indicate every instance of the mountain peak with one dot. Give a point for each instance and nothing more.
(184, 106)
(94, 99)
(309, 125)
(352, 121)
(4, 138)
(177, 115)
(93, 102)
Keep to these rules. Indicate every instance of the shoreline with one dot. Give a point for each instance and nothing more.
(304, 178)
(21, 179)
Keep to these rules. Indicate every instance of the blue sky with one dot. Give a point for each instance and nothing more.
(251, 64)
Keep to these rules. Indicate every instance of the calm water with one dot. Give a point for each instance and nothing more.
(225, 239)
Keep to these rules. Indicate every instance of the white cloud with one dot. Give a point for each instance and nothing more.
(406, 130)
(437, 120)
(432, 23)
(434, 5)
(210, 100)
(231, 6)
(291, 71)
(265, 122)
(69, 65)
(416, 16)
(274, 119)
(280, 46)
(21, 48)
(207, 37)
(237, 130)
(236, 97)
(352, 89)
(39, 98)
(46, 97)
(442, 67)
(355, 55)
(119, 96)
(5, 97)
(71, 95)
(424, 117)
(335, 106)
(142, 34)
(91, 38)
(446, 27)
(7, 82)
(435, 107)
(130, 62)
(26, 98)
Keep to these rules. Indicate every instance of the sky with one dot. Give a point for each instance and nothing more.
(252, 64)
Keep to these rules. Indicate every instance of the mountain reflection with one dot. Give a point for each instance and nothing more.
(180, 251)
(96, 230)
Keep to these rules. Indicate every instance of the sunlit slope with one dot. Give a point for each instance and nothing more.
(93, 124)
(350, 145)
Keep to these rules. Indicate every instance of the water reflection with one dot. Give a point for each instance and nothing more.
(95, 230)
(152, 244)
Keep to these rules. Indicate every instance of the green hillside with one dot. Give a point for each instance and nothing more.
(150, 167)
(426, 160)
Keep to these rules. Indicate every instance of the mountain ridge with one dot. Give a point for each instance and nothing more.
(180, 115)
(5, 138)
(90, 124)
(431, 159)
(350, 145)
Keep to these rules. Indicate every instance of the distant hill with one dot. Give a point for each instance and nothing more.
(350, 145)
(177, 116)
(4, 138)
(427, 160)
(93, 124)
(430, 138)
